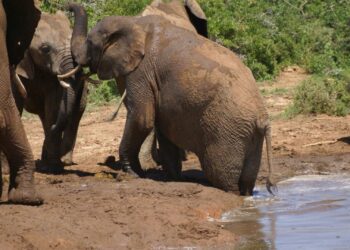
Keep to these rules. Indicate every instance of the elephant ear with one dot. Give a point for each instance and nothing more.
(22, 19)
(26, 67)
(124, 49)
(197, 17)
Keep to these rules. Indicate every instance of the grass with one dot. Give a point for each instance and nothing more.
(275, 92)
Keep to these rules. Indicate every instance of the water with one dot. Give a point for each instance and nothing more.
(309, 212)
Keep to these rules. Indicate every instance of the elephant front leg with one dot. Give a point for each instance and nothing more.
(130, 145)
(15, 145)
(50, 155)
(69, 139)
(138, 125)
(70, 133)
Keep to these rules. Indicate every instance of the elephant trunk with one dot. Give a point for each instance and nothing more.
(78, 44)
(78, 50)
(68, 99)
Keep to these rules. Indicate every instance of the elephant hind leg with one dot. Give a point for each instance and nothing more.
(223, 165)
(171, 156)
(251, 166)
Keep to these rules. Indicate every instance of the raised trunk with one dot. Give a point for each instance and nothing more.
(79, 48)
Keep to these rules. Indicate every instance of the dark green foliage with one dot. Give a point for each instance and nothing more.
(104, 93)
(271, 34)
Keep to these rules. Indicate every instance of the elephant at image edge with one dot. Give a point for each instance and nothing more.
(18, 20)
(197, 94)
(59, 107)
(185, 14)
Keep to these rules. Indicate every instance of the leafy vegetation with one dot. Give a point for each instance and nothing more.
(104, 93)
(270, 35)
(320, 94)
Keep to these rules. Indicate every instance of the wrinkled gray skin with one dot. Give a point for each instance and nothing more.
(18, 20)
(60, 109)
(197, 94)
(185, 14)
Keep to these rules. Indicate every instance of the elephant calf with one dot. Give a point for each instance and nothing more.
(58, 102)
(198, 96)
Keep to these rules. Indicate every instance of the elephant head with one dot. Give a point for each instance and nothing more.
(186, 14)
(114, 47)
(117, 44)
(49, 54)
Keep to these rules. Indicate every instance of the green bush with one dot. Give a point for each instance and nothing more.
(103, 94)
(271, 34)
(321, 95)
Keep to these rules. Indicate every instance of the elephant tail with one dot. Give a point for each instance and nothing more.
(264, 128)
(270, 185)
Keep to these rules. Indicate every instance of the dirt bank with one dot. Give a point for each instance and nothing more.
(86, 208)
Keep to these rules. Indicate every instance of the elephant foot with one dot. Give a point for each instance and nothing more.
(50, 167)
(67, 159)
(68, 162)
(130, 171)
(24, 196)
(173, 177)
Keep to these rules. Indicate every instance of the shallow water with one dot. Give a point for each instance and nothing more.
(309, 212)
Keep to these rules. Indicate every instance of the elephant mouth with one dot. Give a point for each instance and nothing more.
(104, 75)
(98, 68)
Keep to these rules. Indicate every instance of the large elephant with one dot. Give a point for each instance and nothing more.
(58, 102)
(198, 96)
(18, 20)
(185, 14)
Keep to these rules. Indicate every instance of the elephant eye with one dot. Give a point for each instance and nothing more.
(45, 48)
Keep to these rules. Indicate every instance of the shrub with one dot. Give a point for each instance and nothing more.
(321, 95)
(103, 93)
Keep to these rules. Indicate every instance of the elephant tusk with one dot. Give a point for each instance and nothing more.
(22, 90)
(70, 73)
(64, 84)
(119, 106)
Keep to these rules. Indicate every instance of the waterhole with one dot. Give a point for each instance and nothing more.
(309, 212)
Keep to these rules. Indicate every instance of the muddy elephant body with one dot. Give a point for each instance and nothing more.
(197, 94)
(48, 56)
(18, 20)
(185, 14)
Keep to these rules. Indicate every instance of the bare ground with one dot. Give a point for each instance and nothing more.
(92, 206)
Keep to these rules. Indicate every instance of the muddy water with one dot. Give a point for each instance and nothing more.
(309, 212)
